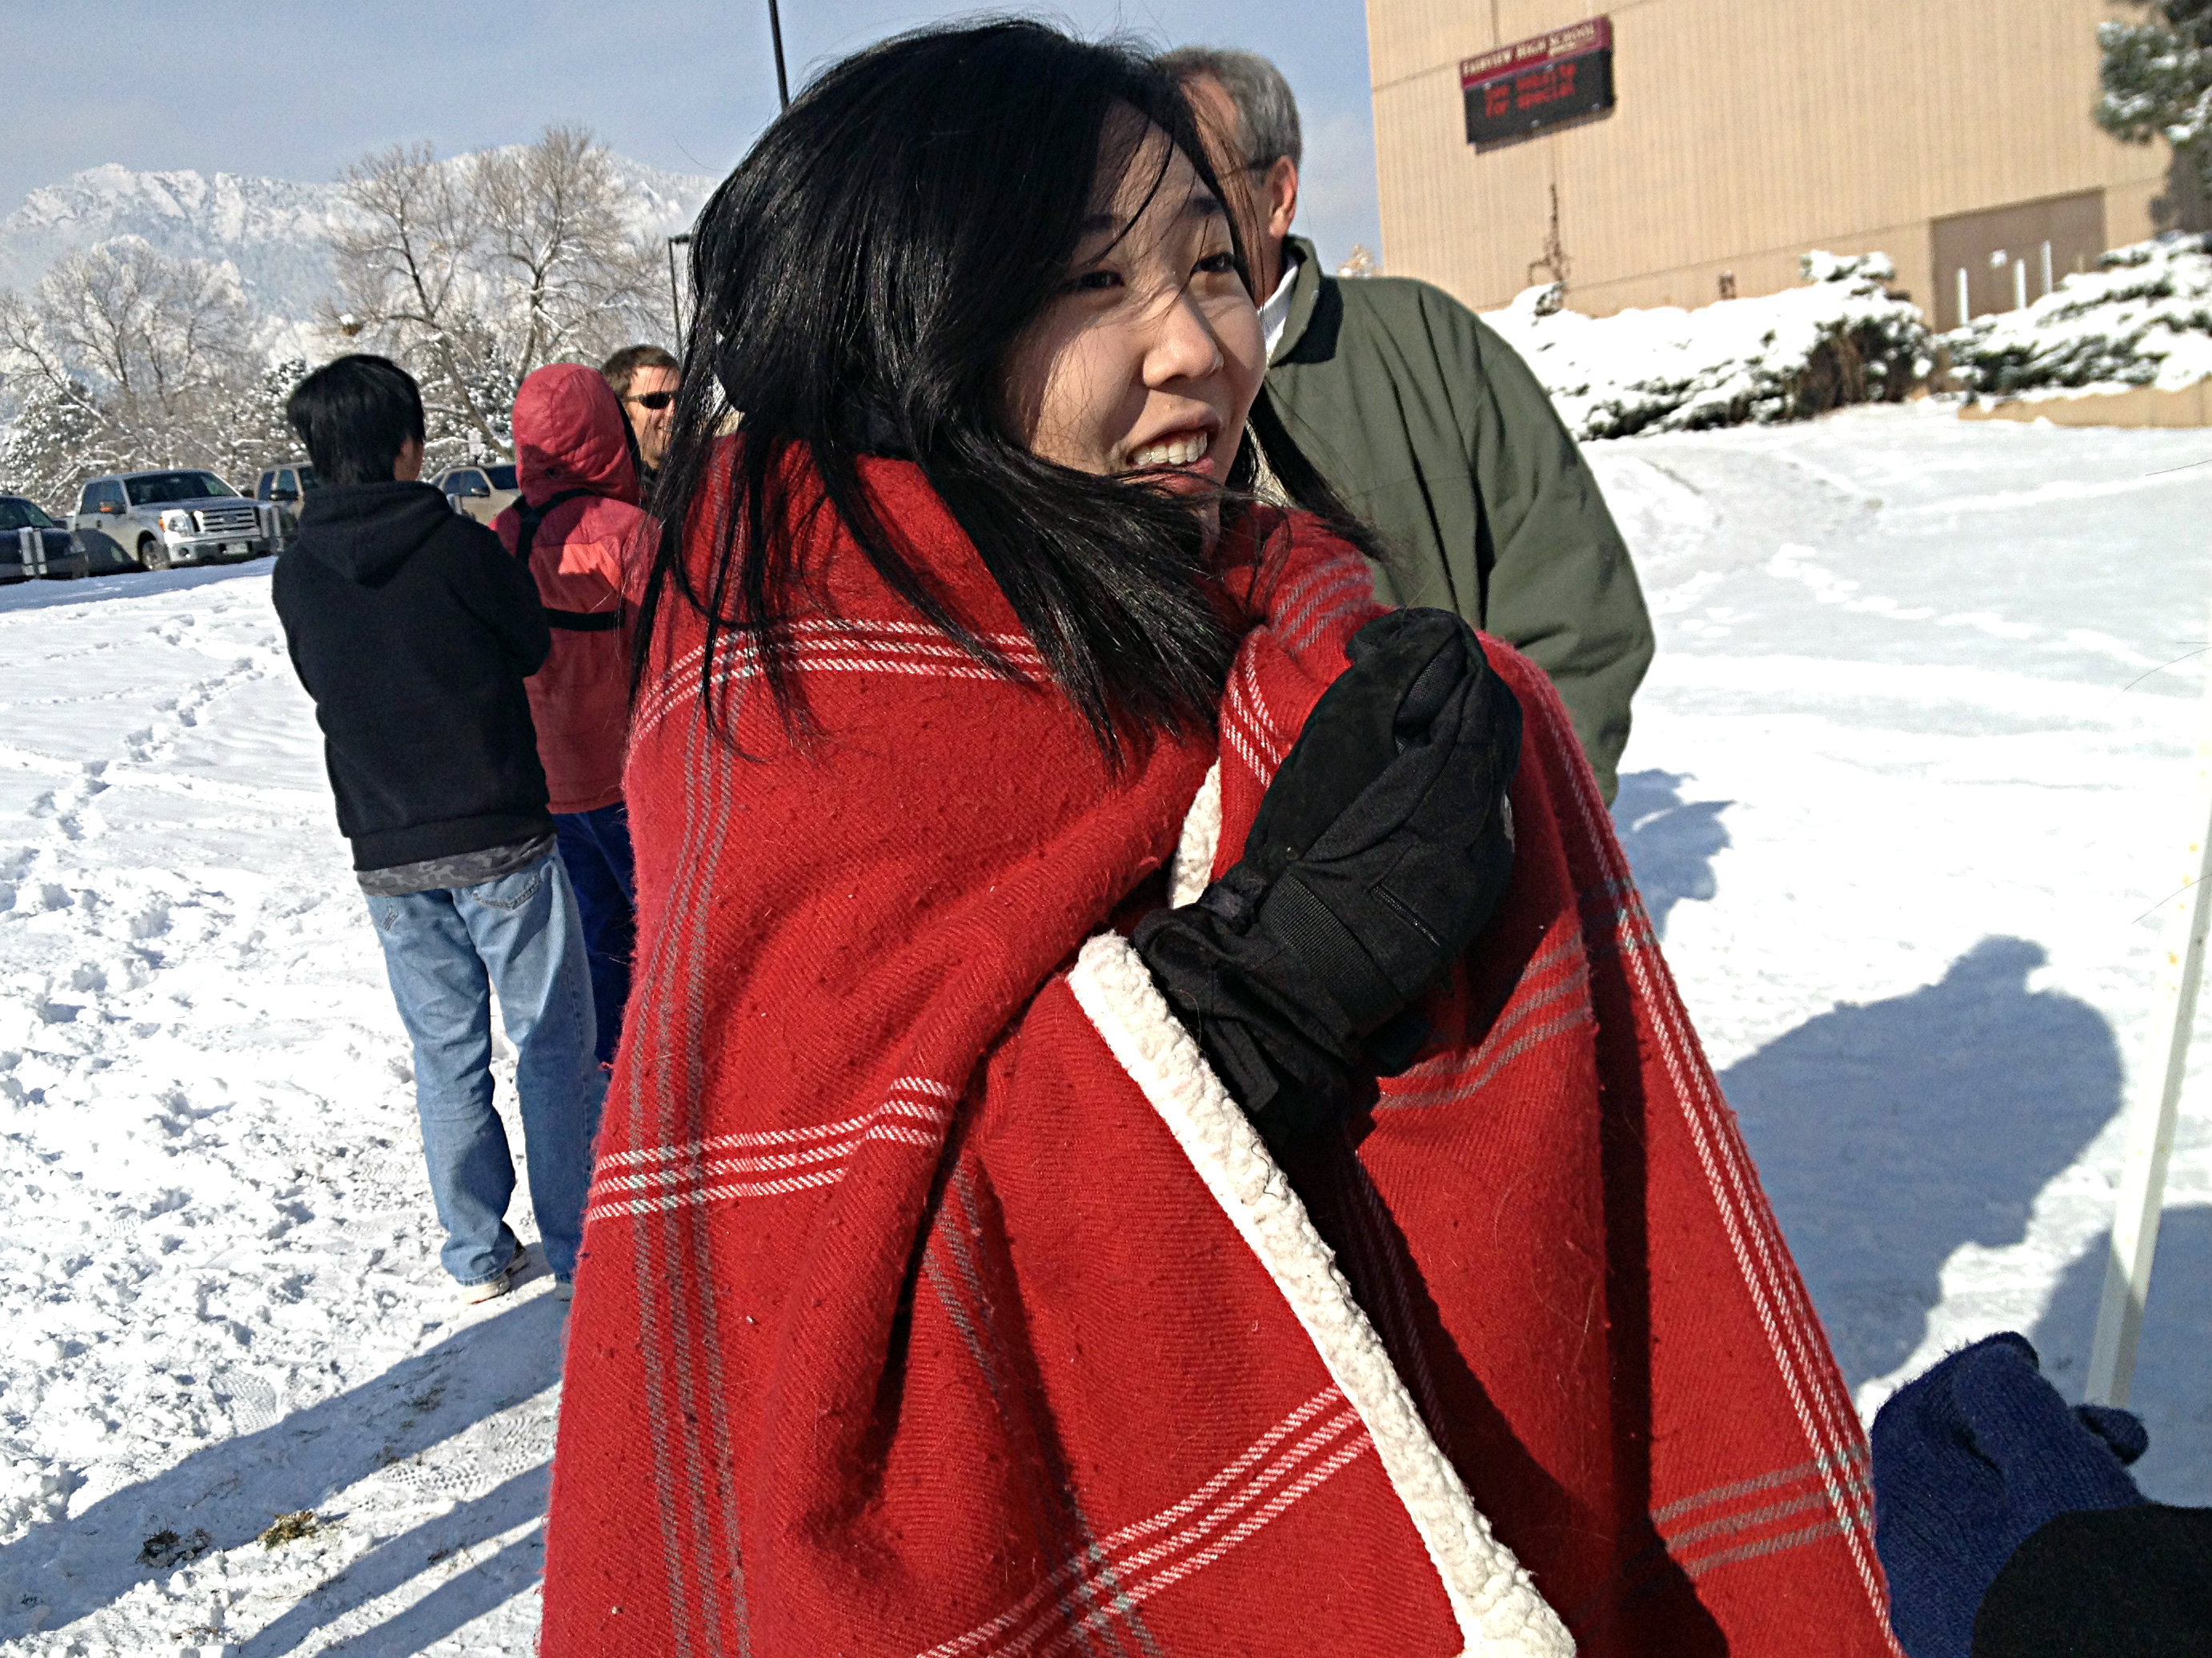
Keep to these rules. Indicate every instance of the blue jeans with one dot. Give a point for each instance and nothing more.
(444, 953)
(595, 850)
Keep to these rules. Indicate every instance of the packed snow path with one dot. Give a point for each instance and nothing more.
(1900, 790)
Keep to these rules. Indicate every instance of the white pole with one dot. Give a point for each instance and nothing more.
(2019, 284)
(1966, 301)
(2155, 1102)
(2046, 270)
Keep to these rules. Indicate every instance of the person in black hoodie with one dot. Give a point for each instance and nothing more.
(413, 630)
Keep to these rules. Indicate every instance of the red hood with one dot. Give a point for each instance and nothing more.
(568, 434)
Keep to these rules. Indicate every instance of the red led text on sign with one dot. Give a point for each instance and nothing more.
(1514, 90)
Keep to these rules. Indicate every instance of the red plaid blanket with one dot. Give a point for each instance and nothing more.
(937, 1302)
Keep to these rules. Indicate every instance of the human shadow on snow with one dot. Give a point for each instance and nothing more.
(1670, 841)
(65, 1569)
(1889, 1134)
(2172, 1389)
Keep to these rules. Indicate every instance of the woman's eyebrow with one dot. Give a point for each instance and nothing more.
(1199, 204)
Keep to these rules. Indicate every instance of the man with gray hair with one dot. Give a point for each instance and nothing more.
(1428, 425)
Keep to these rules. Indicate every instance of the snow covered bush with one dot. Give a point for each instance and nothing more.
(2157, 79)
(2142, 318)
(1841, 337)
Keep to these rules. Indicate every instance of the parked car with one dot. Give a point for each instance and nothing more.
(151, 520)
(482, 493)
(285, 489)
(31, 544)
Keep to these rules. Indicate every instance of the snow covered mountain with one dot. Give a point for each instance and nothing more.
(272, 231)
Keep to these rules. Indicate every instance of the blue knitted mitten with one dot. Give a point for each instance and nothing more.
(1969, 1460)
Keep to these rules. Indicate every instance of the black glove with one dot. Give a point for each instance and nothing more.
(1383, 847)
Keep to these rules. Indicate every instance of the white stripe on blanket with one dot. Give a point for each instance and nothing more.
(626, 1182)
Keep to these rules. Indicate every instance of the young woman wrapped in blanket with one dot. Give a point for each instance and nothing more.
(1150, 1119)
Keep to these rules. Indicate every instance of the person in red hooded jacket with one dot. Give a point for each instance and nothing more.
(580, 529)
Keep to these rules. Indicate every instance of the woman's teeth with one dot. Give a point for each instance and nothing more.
(1172, 451)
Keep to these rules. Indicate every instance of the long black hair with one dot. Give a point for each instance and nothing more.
(861, 280)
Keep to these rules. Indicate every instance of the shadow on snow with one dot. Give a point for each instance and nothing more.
(66, 1569)
(2172, 1390)
(1670, 842)
(1889, 1134)
(127, 584)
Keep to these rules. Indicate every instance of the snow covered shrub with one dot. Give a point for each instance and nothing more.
(54, 442)
(2142, 318)
(2157, 79)
(1843, 338)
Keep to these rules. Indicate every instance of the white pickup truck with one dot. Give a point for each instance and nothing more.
(151, 520)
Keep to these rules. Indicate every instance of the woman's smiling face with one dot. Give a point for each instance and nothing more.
(1147, 358)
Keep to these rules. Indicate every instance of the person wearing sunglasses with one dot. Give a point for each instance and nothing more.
(644, 378)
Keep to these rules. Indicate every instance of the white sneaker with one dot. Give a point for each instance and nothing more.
(499, 1284)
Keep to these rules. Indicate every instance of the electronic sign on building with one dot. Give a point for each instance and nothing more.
(1531, 84)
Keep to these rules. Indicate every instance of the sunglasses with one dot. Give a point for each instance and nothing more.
(655, 401)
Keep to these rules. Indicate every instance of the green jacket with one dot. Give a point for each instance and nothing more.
(1432, 430)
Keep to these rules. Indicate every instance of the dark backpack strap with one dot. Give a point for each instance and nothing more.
(528, 519)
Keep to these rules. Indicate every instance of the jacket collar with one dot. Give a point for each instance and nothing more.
(1305, 294)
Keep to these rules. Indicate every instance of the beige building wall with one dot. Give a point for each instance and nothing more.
(1746, 132)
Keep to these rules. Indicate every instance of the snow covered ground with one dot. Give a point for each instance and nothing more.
(218, 1272)
(1913, 763)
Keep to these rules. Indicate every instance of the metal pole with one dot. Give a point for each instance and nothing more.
(675, 306)
(2152, 1111)
(775, 33)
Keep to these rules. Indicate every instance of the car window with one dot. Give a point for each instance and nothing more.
(16, 514)
(149, 487)
(467, 482)
(108, 493)
(161, 486)
(502, 477)
(307, 479)
(287, 483)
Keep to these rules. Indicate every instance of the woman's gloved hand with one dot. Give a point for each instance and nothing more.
(1969, 1462)
(1383, 847)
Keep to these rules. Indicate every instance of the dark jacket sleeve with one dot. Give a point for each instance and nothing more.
(1558, 584)
(2104, 1583)
(499, 589)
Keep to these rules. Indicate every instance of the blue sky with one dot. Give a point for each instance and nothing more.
(298, 90)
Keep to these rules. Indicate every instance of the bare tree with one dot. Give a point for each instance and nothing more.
(134, 354)
(553, 224)
(409, 256)
(477, 270)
